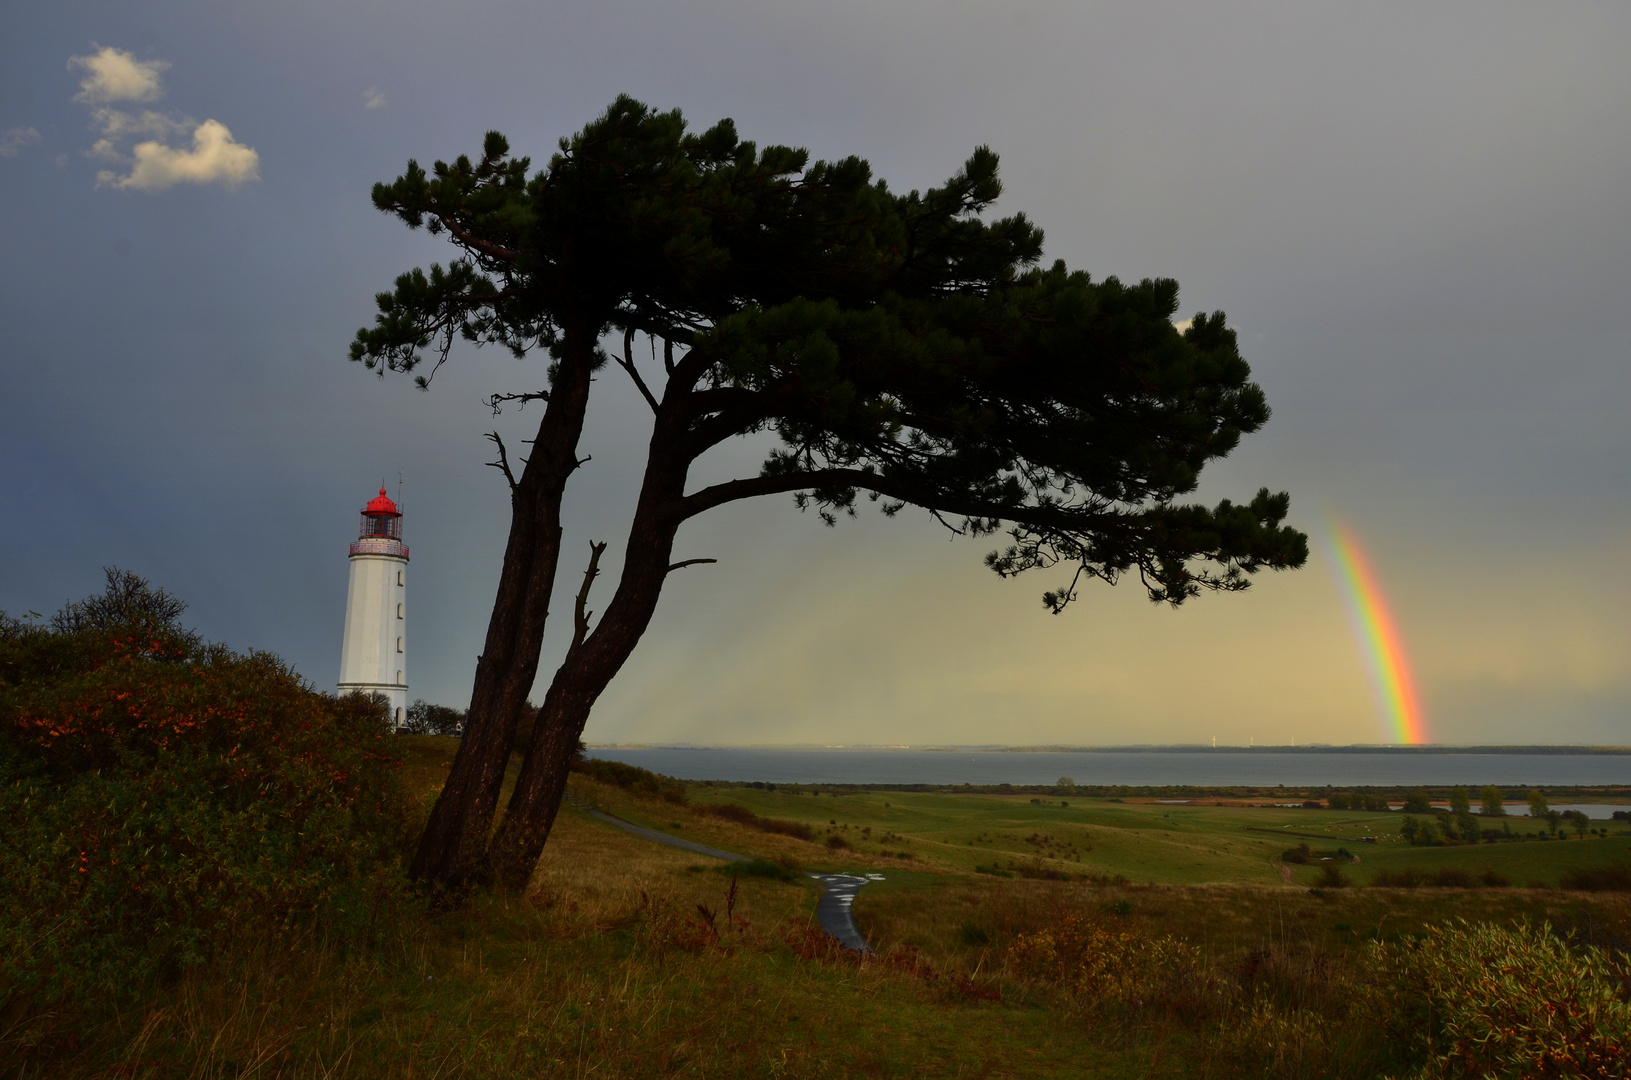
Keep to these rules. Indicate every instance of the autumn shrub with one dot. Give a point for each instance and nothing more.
(632, 778)
(744, 816)
(162, 799)
(1518, 1002)
(1094, 966)
(1445, 877)
(1615, 878)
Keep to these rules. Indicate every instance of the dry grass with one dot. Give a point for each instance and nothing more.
(608, 969)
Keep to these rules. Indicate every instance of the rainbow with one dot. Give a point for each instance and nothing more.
(1379, 637)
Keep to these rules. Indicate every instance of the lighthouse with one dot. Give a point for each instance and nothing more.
(373, 659)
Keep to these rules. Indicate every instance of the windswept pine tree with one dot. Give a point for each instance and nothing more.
(907, 348)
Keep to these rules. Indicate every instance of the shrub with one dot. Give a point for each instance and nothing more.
(425, 718)
(743, 816)
(837, 843)
(1331, 877)
(159, 798)
(631, 778)
(1497, 1001)
(760, 868)
(1299, 855)
(1096, 967)
(1442, 878)
(1598, 879)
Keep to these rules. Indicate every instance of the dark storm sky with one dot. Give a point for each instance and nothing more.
(1415, 215)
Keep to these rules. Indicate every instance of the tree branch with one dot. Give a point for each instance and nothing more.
(627, 364)
(468, 239)
(688, 562)
(734, 490)
(580, 616)
(495, 400)
(503, 462)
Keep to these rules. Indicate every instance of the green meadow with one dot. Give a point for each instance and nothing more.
(1144, 841)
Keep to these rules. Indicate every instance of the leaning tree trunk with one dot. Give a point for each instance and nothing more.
(589, 666)
(452, 852)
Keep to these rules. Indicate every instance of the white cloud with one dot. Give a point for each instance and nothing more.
(215, 157)
(116, 75)
(14, 140)
(116, 125)
(373, 99)
(1184, 325)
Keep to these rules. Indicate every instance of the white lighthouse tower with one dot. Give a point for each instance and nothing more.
(374, 659)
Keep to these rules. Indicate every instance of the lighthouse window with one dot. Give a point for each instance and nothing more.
(399, 678)
(398, 644)
(399, 611)
(399, 577)
(399, 713)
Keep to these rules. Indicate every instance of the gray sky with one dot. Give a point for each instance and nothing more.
(1415, 215)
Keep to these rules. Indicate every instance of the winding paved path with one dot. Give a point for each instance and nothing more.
(838, 890)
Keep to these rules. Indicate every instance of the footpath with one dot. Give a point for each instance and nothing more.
(838, 890)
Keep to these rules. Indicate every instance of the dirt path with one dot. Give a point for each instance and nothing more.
(838, 890)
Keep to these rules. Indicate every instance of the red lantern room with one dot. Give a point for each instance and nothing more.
(381, 530)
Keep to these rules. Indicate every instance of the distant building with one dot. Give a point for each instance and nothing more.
(374, 658)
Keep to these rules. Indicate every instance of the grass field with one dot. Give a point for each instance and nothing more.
(608, 969)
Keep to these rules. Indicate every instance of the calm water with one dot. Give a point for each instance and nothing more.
(1200, 768)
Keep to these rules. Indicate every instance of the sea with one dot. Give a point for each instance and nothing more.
(1198, 768)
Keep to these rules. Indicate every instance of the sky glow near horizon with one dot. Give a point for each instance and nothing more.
(1413, 216)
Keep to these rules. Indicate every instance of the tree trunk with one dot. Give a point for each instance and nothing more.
(587, 670)
(452, 852)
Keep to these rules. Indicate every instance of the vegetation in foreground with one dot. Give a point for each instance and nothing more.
(206, 864)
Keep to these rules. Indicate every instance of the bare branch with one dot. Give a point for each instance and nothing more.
(496, 401)
(627, 364)
(503, 462)
(581, 616)
(668, 355)
(688, 562)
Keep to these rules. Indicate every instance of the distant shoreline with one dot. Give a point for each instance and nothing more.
(1185, 748)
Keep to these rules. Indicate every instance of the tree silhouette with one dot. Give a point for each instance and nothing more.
(904, 348)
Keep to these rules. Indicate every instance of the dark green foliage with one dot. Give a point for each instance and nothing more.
(1331, 877)
(1416, 803)
(425, 718)
(1299, 855)
(1538, 807)
(1460, 803)
(632, 778)
(1423, 832)
(1492, 801)
(904, 346)
(1467, 828)
(160, 798)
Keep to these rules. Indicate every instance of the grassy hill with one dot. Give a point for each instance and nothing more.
(630, 959)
